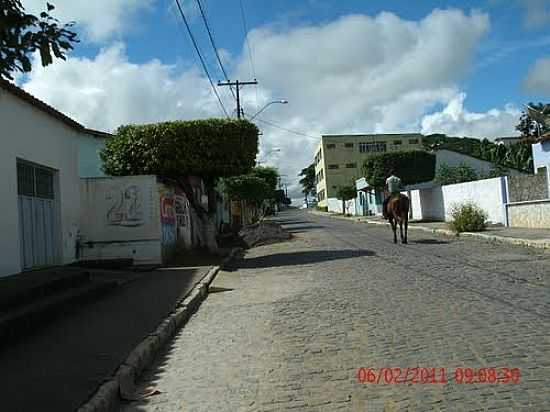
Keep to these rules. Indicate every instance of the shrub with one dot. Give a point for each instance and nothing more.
(412, 167)
(468, 217)
(450, 175)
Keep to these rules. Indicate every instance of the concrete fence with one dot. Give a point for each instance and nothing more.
(529, 201)
(437, 203)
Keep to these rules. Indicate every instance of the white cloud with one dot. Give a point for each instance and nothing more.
(100, 19)
(538, 78)
(455, 120)
(108, 91)
(353, 75)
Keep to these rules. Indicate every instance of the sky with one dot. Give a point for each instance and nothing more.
(464, 68)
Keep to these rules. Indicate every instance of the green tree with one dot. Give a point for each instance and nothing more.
(269, 174)
(21, 34)
(412, 167)
(252, 189)
(346, 193)
(448, 175)
(308, 181)
(210, 149)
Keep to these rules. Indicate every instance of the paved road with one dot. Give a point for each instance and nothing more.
(289, 327)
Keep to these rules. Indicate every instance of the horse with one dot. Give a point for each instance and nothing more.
(398, 212)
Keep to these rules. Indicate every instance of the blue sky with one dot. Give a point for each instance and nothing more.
(504, 55)
(458, 67)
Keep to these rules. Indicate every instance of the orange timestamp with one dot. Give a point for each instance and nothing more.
(438, 376)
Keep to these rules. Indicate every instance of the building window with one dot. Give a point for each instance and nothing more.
(333, 166)
(372, 147)
(331, 146)
(34, 181)
(348, 145)
(351, 165)
(413, 141)
(397, 142)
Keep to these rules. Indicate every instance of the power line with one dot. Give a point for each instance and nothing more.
(285, 129)
(213, 43)
(245, 28)
(200, 57)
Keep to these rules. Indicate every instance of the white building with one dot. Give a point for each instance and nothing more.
(42, 152)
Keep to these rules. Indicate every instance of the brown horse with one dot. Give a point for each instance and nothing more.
(398, 212)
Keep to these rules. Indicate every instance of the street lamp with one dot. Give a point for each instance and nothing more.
(267, 105)
(268, 153)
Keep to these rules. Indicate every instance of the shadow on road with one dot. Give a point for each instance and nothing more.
(298, 258)
(430, 242)
(302, 228)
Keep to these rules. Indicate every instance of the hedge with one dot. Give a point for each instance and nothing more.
(206, 148)
(412, 167)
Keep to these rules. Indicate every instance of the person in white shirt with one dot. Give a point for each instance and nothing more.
(393, 186)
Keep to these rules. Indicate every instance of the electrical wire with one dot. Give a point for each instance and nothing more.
(200, 57)
(245, 30)
(213, 43)
(285, 129)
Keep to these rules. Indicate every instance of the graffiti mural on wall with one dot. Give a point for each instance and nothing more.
(167, 217)
(125, 206)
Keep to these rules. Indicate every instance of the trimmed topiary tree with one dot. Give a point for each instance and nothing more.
(412, 167)
(210, 149)
(449, 175)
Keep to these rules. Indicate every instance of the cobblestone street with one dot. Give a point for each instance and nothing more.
(288, 327)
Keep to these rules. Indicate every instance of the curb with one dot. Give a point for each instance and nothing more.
(531, 243)
(107, 397)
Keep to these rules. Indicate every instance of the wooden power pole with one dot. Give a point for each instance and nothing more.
(238, 86)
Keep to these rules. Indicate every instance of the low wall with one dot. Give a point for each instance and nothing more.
(437, 203)
(529, 187)
(335, 206)
(534, 214)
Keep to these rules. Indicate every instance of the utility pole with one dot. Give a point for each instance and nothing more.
(238, 86)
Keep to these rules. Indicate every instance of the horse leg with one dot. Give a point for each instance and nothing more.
(394, 228)
(401, 230)
(406, 230)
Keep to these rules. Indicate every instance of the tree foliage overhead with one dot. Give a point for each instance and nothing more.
(517, 156)
(308, 180)
(22, 34)
(412, 167)
(209, 149)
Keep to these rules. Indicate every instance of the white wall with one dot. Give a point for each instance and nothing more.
(335, 206)
(121, 218)
(541, 155)
(436, 203)
(32, 135)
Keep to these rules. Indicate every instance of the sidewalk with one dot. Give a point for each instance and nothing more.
(61, 364)
(535, 238)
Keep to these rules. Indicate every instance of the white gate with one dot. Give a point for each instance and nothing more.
(37, 215)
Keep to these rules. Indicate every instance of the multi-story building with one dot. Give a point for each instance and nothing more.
(339, 158)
